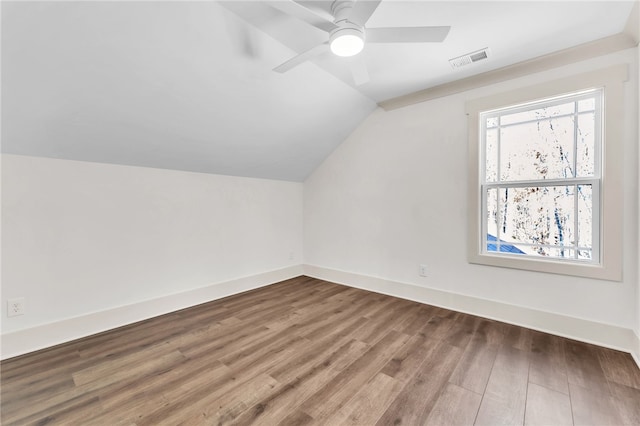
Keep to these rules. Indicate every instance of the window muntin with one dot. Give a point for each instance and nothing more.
(540, 185)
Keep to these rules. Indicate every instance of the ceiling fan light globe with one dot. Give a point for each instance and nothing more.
(347, 42)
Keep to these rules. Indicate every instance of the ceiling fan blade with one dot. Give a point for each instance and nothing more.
(358, 70)
(297, 10)
(243, 41)
(362, 11)
(241, 35)
(407, 35)
(303, 57)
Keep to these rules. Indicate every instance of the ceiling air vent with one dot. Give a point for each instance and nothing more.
(469, 58)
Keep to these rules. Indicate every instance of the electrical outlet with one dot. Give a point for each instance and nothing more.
(423, 270)
(290, 255)
(15, 307)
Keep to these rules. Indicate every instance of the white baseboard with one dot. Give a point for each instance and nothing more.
(635, 353)
(47, 335)
(606, 335)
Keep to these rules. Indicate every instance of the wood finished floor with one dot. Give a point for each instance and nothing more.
(305, 351)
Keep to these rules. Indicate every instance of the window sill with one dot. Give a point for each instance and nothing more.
(587, 270)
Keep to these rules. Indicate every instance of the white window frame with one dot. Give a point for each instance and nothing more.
(593, 181)
(608, 265)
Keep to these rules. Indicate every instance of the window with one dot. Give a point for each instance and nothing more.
(545, 178)
(540, 183)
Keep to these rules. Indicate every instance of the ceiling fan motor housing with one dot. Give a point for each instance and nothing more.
(348, 39)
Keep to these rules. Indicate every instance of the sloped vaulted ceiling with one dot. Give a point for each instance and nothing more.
(189, 85)
(164, 84)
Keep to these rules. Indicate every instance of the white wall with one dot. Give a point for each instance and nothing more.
(637, 329)
(86, 240)
(80, 238)
(394, 195)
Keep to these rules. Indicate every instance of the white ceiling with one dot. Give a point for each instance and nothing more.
(188, 85)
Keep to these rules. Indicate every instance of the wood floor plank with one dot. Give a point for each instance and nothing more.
(128, 412)
(409, 358)
(15, 395)
(547, 407)
(619, 368)
(272, 345)
(518, 337)
(413, 323)
(43, 361)
(197, 399)
(306, 351)
(296, 389)
(504, 398)
(382, 305)
(548, 366)
(456, 406)
(122, 366)
(584, 368)
(225, 340)
(325, 326)
(167, 328)
(369, 403)
(297, 418)
(190, 396)
(490, 332)
(439, 325)
(592, 407)
(475, 367)
(229, 406)
(129, 394)
(276, 292)
(322, 296)
(324, 349)
(461, 331)
(416, 400)
(40, 403)
(73, 411)
(375, 330)
(336, 393)
(628, 403)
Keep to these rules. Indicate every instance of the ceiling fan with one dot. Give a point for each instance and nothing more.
(347, 32)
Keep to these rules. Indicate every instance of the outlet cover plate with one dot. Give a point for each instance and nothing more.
(15, 307)
(423, 270)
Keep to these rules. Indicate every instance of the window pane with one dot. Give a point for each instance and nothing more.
(492, 212)
(537, 150)
(560, 252)
(492, 246)
(585, 216)
(585, 144)
(538, 215)
(525, 213)
(491, 174)
(538, 114)
(587, 104)
(585, 254)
